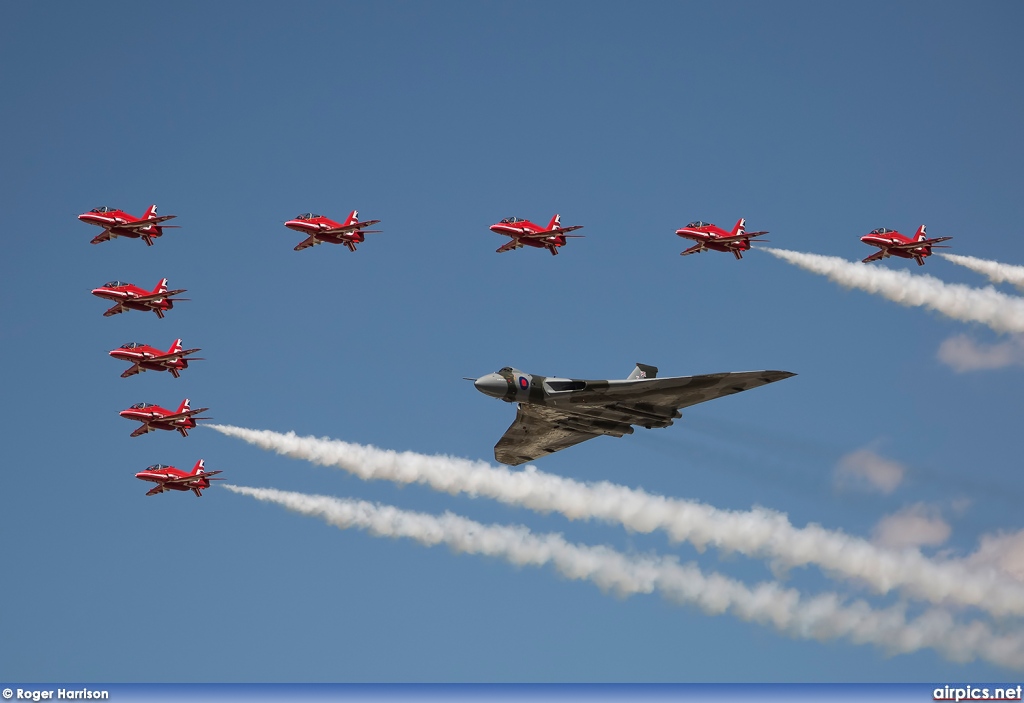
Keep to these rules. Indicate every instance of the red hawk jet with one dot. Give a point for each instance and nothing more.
(321, 229)
(169, 478)
(146, 358)
(118, 223)
(524, 232)
(709, 236)
(153, 417)
(129, 296)
(892, 243)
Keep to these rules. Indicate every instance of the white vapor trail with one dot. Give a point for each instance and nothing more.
(759, 532)
(993, 270)
(823, 617)
(1001, 312)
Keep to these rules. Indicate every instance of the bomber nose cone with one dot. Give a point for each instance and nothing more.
(492, 384)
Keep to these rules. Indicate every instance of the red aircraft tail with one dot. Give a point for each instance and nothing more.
(556, 222)
(353, 217)
(184, 407)
(921, 234)
(199, 468)
(161, 287)
(150, 213)
(739, 228)
(176, 347)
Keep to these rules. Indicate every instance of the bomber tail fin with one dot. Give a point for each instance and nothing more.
(643, 371)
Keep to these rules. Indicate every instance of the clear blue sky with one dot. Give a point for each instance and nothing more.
(815, 121)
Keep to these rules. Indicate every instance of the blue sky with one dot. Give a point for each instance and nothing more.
(814, 121)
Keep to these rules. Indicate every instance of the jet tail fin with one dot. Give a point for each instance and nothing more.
(353, 217)
(643, 371)
(176, 347)
(161, 287)
(921, 234)
(739, 227)
(184, 407)
(150, 213)
(556, 222)
(199, 467)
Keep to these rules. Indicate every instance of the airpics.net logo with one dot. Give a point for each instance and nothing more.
(977, 693)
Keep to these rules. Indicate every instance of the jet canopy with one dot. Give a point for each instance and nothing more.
(512, 220)
(141, 406)
(698, 224)
(882, 230)
(307, 216)
(131, 345)
(115, 284)
(103, 209)
(159, 467)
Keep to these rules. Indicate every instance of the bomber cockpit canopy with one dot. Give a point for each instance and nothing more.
(131, 345)
(140, 406)
(512, 220)
(697, 224)
(115, 284)
(882, 230)
(102, 209)
(159, 467)
(307, 216)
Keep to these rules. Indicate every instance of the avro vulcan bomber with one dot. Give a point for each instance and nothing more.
(555, 413)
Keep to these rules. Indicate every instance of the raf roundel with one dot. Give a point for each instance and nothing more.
(523, 382)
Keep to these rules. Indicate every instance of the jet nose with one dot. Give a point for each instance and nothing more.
(492, 384)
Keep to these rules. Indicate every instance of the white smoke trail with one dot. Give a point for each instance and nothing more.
(758, 532)
(824, 617)
(993, 270)
(1001, 312)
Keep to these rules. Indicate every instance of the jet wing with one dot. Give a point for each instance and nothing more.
(175, 356)
(192, 477)
(116, 310)
(738, 238)
(174, 417)
(877, 256)
(312, 241)
(154, 491)
(509, 246)
(922, 243)
(157, 296)
(550, 232)
(135, 368)
(142, 224)
(536, 433)
(349, 228)
(103, 236)
(141, 431)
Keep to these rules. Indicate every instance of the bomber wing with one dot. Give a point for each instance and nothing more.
(537, 432)
(674, 392)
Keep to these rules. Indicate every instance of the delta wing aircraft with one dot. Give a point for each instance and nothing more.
(146, 358)
(118, 223)
(533, 235)
(169, 478)
(153, 417)
(892, 243)
(322, 229)
(555, 413)
(709, 236)
(129, 296)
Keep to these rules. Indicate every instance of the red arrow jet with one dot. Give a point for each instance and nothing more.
(153, 417)
(533, 235)
(146, 358)
(709, 236)
(321, 229)
(129, 296)
(118, 223)
(169, 478)
(892, 243)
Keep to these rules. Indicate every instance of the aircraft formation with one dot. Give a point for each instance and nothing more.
(552, 413)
